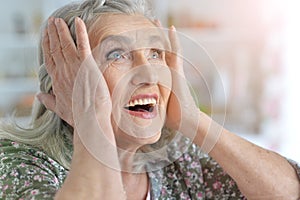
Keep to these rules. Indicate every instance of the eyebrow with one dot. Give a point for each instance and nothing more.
(117, 38)
(155, 38)
(127, 40)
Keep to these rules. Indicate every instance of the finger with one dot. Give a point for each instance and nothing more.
(55, 49)
(67, 44)
(49, 63)
(82, 39)
(160, 26)
(175, 44)
(157, 23)
(47, 100)
(175, 57)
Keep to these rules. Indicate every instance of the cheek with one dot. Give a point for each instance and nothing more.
(113, 76)
(165, 94)
(111, 79)
(165, 82)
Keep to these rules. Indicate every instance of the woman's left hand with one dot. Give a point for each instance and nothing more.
(181, 110)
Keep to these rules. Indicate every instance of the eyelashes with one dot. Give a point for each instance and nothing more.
(156, 54)
(120, 54)
(115, 54)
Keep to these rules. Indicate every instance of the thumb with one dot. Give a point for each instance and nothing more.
(48, 100)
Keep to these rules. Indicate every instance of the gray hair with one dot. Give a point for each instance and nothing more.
(47, 131)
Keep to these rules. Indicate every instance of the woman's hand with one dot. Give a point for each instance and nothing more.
(182, 111)
(63, 60)
(78, 91)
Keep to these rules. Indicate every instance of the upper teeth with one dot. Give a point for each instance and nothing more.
(141, 102)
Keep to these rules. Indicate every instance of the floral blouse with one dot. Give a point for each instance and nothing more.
(28, 173)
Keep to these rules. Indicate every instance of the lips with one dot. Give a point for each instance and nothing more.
(143, 106)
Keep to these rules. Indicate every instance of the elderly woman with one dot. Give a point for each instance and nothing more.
(112, 103)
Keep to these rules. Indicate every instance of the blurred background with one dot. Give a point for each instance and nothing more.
(254, 46)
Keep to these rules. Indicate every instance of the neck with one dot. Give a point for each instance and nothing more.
(135, 182)
(127, 158)
(127, 149)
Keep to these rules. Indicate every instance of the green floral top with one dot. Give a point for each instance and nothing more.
(28, 173)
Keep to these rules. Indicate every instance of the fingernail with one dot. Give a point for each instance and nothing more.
(50, 20)
(173, 28)
(56, 21)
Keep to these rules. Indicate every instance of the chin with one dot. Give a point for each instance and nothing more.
(150, 140)
(141, 140)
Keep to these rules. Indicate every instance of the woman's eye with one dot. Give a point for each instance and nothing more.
(155, 54)
(115, 55)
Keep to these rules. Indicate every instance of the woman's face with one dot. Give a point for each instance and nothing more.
(130, 51)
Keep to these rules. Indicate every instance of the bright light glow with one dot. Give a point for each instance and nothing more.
(291, 105)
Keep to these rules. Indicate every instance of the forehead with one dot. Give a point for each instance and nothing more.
(137, 28)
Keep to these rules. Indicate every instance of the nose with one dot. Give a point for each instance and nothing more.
(144, 72)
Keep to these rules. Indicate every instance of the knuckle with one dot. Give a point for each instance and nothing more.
(55, 51)
(82, 46)
(66, 46)
(48, 60)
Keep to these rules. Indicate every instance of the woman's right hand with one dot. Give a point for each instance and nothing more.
(78, 91)
(63, 60)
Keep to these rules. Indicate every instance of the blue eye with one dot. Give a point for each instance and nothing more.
(155, 54)
(114, 55)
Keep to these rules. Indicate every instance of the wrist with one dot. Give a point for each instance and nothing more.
(208, 133)
(93, 182)
(190, 123)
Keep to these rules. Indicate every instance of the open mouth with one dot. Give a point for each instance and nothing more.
(141, 105)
